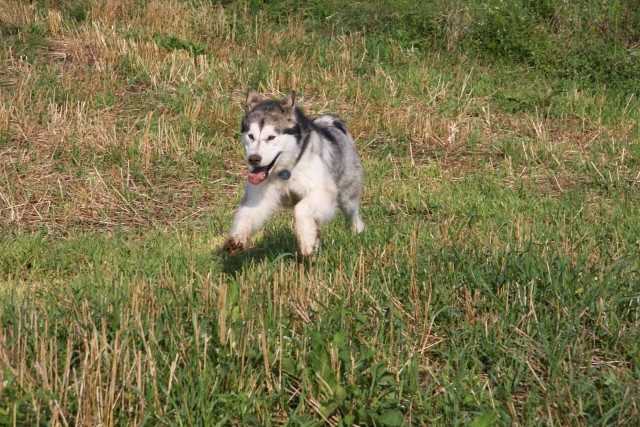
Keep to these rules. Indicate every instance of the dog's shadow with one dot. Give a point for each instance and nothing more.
(274, 244)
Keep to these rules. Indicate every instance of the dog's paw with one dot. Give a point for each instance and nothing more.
(233, 246)
(308, 251)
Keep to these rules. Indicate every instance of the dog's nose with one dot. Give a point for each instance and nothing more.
(255, 159)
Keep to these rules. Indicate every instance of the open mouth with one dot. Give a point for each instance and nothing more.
(257, 175)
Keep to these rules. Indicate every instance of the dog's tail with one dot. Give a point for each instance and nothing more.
(329, 120)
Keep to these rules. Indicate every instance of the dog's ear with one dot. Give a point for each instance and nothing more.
(253, 99)
(289, 102)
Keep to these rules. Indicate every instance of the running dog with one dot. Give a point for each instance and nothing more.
(296, 162)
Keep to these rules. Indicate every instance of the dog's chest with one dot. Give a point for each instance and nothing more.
(294, 190)
(302, 184)
(289, 198)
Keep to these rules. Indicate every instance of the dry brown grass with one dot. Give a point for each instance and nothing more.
(55, 167)
(51, 125)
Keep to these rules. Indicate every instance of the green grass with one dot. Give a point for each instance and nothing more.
(497, 282)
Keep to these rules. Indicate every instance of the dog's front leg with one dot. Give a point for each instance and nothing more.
(312, 211)
(255, 209)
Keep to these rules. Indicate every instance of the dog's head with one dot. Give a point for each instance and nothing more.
(270, 133)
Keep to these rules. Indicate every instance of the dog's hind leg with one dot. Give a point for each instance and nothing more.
(350, 207)
(352, 220)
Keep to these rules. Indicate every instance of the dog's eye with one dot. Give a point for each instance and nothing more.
(250, 136)
(271, 137)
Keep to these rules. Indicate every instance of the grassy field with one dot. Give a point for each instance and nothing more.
(497, 282)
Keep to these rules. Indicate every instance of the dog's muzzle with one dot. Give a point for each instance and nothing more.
(259, 174)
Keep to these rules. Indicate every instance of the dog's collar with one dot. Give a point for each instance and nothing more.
(285, 174)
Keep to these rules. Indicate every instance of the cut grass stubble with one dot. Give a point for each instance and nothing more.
(497, 282)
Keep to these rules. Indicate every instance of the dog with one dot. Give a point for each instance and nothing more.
(309, 165)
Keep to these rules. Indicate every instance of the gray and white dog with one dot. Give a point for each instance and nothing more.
(308, 165)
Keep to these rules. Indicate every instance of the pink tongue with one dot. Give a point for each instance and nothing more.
(257, 175)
